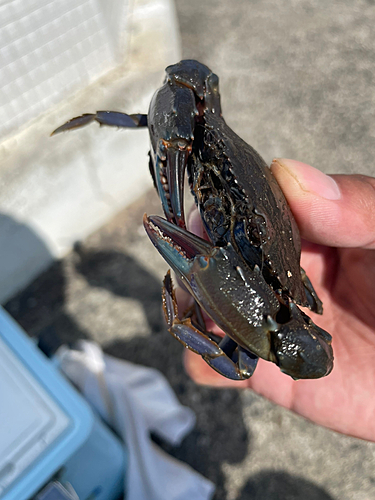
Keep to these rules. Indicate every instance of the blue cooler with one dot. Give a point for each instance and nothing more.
(52, 445)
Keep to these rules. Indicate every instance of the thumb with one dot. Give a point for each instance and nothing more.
(332, 210)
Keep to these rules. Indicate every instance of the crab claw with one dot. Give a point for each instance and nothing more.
(168, 174)
(172, 114)
(186, 253)
(176, 245)
(237, 299)
(303, 349)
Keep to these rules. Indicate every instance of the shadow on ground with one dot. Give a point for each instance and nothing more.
(123, 276)
(269, 485)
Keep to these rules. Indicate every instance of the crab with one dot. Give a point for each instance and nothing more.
(247, 278)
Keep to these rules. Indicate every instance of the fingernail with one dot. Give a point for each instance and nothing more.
(310, 179)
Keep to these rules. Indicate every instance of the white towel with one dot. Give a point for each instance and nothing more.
(135, 401)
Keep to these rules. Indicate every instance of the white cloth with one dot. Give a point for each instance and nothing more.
(136, 400)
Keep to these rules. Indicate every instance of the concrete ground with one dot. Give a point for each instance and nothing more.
(296, 81)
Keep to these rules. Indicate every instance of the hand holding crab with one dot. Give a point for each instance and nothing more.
(339, 217)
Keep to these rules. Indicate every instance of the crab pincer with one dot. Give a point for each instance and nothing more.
(239, 300)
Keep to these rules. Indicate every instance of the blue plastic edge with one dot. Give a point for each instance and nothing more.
(64, 395)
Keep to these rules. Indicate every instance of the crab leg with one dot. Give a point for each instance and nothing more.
(226, 358)
(172, 114)
(169, 181)
(314, 301)
(111, 118)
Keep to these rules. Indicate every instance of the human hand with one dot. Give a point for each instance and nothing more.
(336, 218)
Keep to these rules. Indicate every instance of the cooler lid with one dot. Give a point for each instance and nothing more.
(30, 419)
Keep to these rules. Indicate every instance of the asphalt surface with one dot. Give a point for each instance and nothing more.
(297, 81)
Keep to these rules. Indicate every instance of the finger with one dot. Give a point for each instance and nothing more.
(337, 210)
(195, 225)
